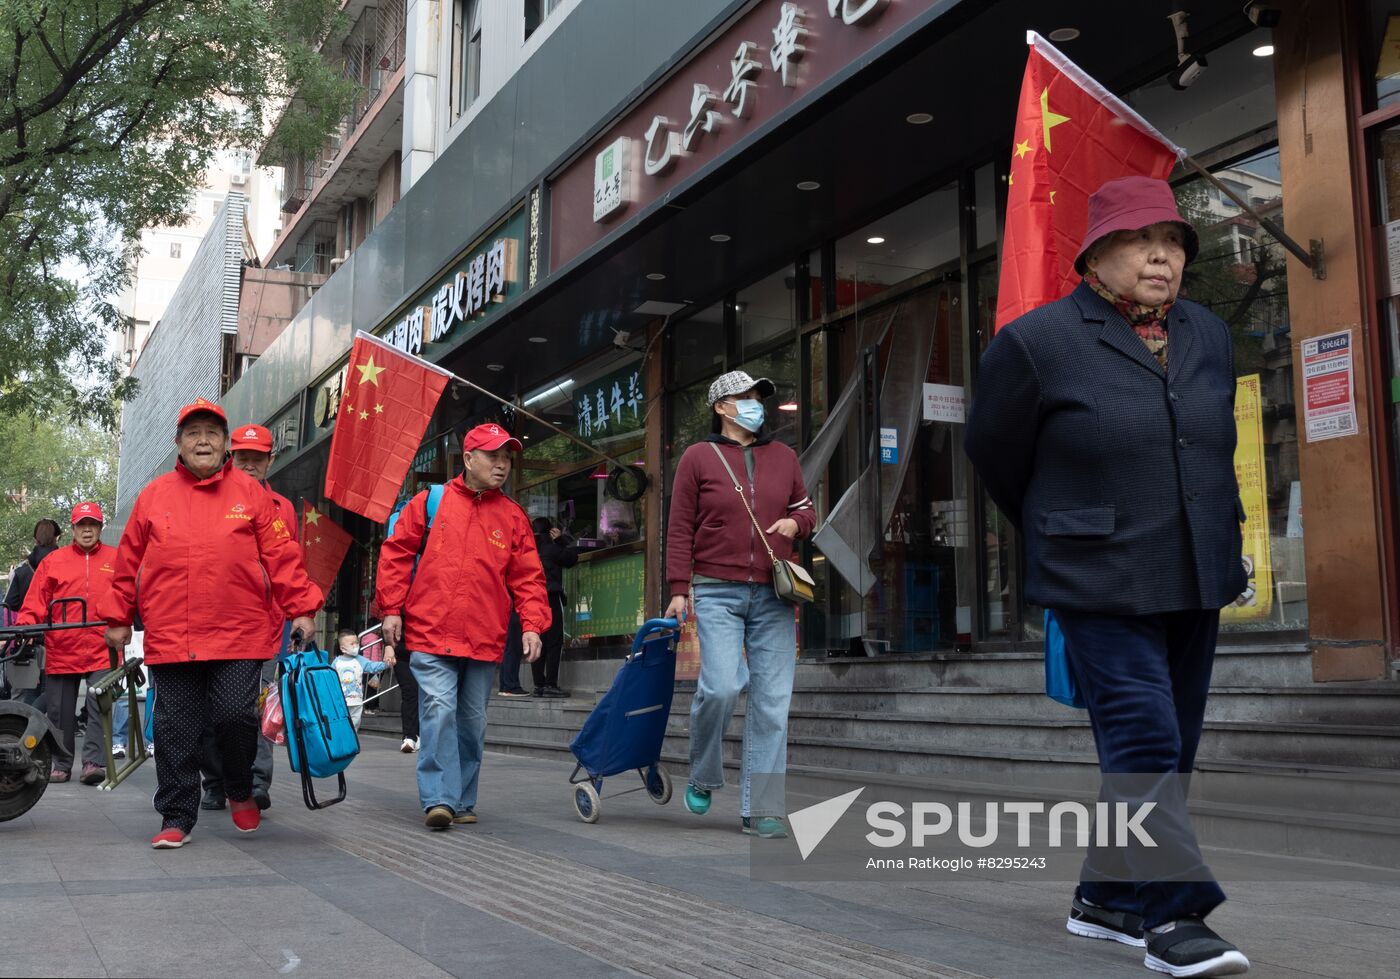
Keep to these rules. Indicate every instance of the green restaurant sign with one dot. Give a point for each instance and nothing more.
(611, 405)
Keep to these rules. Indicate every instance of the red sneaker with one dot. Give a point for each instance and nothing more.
(246, 815)
(170, 838)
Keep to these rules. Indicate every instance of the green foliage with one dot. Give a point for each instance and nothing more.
(47, 467)
(110, 112)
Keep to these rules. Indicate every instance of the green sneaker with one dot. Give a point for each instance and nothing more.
(765, 827)
(697, 800)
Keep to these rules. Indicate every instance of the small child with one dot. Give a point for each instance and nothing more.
(353, 668)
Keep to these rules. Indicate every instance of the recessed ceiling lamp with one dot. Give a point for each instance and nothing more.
(496, 367)
(1264, 51)
(1062, 34)
(919, 118)
(719, 239)
(539, 339)
(875, 240)
(657, 276)
(808, 185)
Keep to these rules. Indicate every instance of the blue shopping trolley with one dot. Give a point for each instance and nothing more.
(625, 731)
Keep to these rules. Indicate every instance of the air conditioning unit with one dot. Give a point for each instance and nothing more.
(238, 179)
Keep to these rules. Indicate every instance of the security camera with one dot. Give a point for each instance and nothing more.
(1192, 67)
(1262, 14)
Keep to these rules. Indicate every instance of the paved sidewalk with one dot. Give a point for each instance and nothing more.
(362, 889)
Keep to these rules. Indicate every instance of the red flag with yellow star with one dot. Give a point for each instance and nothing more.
(324, 544)
(1072, 136)
(389, 398)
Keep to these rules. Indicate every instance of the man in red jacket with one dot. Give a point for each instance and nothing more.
(206, 560)
(452, 614)
(253, 455)
(83, 569)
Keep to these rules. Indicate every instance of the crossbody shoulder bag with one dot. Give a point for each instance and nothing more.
(791, 581)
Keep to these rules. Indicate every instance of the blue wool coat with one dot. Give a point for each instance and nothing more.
(1119, 475)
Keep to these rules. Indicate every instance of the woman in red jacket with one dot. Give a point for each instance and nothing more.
(204, 560)
(747, 634)
(83, 569)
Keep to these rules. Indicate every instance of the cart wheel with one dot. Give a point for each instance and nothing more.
(16, 795)
(658, 782)
(586, 802)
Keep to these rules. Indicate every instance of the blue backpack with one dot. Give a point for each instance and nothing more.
(321, 740)
(434, 500)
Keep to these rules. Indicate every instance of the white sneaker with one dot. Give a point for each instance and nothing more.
(119, 751)
(409, 745)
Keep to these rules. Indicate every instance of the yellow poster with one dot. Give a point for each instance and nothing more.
(1257, 600)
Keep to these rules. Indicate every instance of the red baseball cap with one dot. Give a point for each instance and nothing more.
(1130, 203)
(86, 511)
(201, 406)
(489, 438)
(253, 437)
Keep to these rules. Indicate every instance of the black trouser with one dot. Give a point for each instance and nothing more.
(510, 660)
(62, 710)
(189, 696)
(212, 764)
(546, 668)
(408, 696)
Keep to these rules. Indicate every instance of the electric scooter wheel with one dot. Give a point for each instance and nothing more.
(17, 796)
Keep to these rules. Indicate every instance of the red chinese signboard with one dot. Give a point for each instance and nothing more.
(773, 57)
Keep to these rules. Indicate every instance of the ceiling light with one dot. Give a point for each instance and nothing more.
(1063, 34)
(539, 339)
(875, 240)
(553, 391)
(808, 185)
(719, 239)
(495, 367)
(657, 276)
(1264, 51)
(788, 406)
(919, 118)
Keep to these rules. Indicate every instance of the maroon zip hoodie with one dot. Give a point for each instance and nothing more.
(710, 533)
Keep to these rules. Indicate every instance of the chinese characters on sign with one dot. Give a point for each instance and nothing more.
(945, 403)
(481, 281)
(1328, 389)
(667, 139)
(610, 405)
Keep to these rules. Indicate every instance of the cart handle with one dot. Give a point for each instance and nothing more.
(650, 626)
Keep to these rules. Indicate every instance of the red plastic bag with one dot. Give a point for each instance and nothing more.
(273, 725)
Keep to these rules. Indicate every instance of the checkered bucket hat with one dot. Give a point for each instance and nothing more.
(737, 382)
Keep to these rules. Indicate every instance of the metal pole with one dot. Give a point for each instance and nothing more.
(1297, 250)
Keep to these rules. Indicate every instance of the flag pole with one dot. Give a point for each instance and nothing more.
(1309, 260)
(533, 417)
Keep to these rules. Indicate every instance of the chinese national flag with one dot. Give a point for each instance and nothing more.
(324, 544)
(389, 398)
(1072, 136)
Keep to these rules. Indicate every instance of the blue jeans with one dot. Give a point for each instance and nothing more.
(734, 619)
(453, 692)
(1145, 679)
(121, 714)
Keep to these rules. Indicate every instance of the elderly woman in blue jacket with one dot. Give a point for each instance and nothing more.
(1103, 427)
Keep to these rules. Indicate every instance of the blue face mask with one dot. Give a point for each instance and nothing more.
(749, 414)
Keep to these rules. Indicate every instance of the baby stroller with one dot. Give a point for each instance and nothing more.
(625, 731)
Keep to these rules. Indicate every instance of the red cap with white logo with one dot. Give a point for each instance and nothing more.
(253, 437)
(489, 438)
(201, 406)
(86, 511)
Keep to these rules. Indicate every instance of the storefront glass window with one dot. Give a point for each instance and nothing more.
(1385, 151)
(999, 588)
(1241, 275)
(985, 188)
(920, 236)
(1381, 54)
(766, 310)
(698, 345)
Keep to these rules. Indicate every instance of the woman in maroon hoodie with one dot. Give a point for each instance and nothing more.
(747, 633)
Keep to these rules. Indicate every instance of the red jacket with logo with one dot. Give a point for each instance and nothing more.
(71, 572)
(480, 560)
(206, 562)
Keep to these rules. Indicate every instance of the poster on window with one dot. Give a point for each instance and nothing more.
(1256, 602)
(1329, 391)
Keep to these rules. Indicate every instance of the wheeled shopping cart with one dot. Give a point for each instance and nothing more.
(626, 730)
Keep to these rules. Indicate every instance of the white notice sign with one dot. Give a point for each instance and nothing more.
(945, 403)
(611, 174)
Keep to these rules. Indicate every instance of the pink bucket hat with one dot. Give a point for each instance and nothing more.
(1130, 203)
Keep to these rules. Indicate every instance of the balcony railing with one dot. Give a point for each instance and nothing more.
(370, 55)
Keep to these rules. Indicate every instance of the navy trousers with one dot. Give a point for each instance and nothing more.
(1145, 680)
